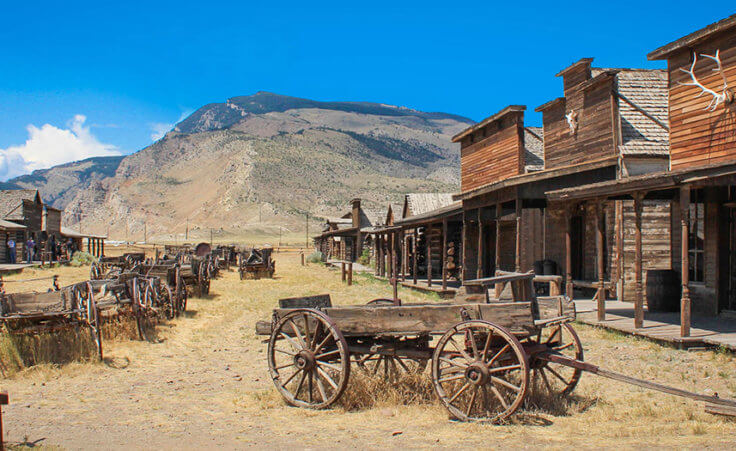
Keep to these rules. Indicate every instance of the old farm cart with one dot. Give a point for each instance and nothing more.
(485, 357)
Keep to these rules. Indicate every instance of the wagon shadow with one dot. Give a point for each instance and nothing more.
(190, 313)
(26, 443)
(118, 363)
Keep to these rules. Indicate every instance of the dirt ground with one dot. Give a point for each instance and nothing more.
(205, 384)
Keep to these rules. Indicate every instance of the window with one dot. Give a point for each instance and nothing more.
(696, 245)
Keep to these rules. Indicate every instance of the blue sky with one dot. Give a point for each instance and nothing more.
(117, 74)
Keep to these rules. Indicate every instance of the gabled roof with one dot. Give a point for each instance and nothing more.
(643, 108)
(7, 225)
(488, 120)
(693, 38)
(420, 203)
(533, 148)
(11, 199)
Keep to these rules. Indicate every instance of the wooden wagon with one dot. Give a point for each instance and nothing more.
(197, 274)
(170, 291)
(256, 264)
(66, 307)
(110, 267)
(485, 358)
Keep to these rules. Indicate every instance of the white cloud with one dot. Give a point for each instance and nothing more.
(49, 146)
(160, 129)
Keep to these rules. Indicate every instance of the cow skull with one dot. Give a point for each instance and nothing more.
(723, 97)
(572, 121)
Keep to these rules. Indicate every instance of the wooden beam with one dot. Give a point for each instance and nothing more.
(685, 261)
(601, 295)
(499, 213)
(377, 253)
(415, 264)
(444, 254)
(428, 241)
(479, 270)
(639, 301)
(518, 234)
(569, 288)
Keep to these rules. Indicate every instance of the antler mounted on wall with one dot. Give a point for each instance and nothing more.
(723, 97)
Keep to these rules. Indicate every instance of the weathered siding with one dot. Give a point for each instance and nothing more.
(698, 136)
(594, 137)
(656, 239)
(495, 155)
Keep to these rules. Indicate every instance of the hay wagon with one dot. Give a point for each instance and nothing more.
(256, 264)
(55, 309)
(485, 358)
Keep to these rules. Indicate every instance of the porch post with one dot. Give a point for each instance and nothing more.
(685, 267)
(377, 253)
(498, 237)
(569, 289)
(444, 254)
(518, 234)
(414, 262)
(601, 263)
(479, 270)
(428, 240)
(639, 302)
(103, 247)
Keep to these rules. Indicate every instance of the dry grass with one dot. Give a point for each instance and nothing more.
(206, 384)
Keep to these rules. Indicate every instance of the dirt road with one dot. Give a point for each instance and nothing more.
(206, 385)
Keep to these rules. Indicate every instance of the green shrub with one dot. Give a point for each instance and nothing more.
(365, 257)
(82, 259)
(315, 257)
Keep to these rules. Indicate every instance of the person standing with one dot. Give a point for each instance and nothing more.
(11, 250)
(30, 245)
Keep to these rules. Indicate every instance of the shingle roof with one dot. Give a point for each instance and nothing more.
(533, 148)
(10, 199)
(372, 217)
(642, 103)
(420, 203)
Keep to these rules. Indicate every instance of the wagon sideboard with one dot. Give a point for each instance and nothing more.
(521, 318)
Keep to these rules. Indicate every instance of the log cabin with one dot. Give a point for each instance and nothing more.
(701, 185)
(610, 124)
(344, 238)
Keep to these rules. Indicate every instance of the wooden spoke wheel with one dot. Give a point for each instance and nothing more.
(145, 313)
(96, 271)
(181, 294)
(167, 301)
(551, 378)
(381, 301)
(203, 279)
(308, 359)
(480, 371)
(83, 300)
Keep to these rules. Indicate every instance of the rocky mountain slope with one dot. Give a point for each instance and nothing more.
(262, 161)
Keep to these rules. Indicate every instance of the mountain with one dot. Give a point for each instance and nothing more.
(262, 161)
(59, 185)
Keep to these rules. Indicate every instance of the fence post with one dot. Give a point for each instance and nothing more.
(342, 270)
(302, 254)
(350, 273)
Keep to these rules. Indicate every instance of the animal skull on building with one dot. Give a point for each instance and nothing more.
(725, 96)
(572, 121)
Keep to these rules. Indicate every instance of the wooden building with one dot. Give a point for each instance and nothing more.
(701, 186)
(25, 207)
(344, 238)
(610, 124)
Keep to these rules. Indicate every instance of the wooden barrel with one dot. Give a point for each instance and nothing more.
(663, 290)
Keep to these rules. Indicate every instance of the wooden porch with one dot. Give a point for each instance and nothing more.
(660, 327)
(422, 285)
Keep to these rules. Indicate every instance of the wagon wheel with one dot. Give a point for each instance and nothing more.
(95, 271)
(552, 378)
(480, 371)
(145, 313)
(380, 301)
(308, 359)
(167, 301)
(203, 279)
(93, 319)
(181, 293)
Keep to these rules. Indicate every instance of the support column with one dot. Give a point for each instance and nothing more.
(685, 267)
(479, 271)
(601, 301)
(639, 301)
(444, 254)
(428, 240)
(103, 247)
(414, 262)
(498, 236)
(404, 255)
(518, 235)
(569, 288)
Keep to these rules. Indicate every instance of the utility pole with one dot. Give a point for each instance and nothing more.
(145, 232)
(186, 231)
(260, 213)
(279, 236)
(210, 236)
(306, 238)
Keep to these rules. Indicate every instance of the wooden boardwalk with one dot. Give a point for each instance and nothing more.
(661, 327)
(8, 267)
(436, 287)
